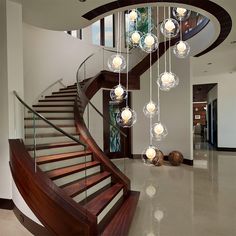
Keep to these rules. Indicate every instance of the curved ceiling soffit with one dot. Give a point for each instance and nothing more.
(217, 11)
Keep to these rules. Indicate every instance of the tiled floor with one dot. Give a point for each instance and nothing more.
(175, 201)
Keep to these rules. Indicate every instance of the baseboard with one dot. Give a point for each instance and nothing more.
(6, 204)
(225, 149)
(186, 161)
(29, 224)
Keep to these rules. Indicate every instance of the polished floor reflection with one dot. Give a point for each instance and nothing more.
(175, 201)
(186, 201)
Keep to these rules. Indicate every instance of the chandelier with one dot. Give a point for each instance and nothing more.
(148, 41)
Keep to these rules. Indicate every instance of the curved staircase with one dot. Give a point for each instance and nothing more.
(95, 186)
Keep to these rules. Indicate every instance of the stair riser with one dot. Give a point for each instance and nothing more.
(55, 122)
(38, 109)
(60, 98)
(77, 176)
(45, 140)
(69, 90)
(110, 206)
(56, 114)
(80, 197)
(70, 130)
(57, 103)
(64, 94)
(51, 151)
(65, 163)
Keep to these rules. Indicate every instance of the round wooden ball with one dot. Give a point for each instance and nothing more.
(158, 160)
(175, 158)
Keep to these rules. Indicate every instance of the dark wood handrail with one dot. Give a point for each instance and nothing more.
(60, 214)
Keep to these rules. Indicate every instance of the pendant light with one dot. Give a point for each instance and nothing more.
(169, 27)
(149, 42)
(117, 63)
(127, 117)
(167, 80)
(159, 130)
(181, 48)
(134, 36)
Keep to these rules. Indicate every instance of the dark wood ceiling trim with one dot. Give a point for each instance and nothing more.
(220, 13)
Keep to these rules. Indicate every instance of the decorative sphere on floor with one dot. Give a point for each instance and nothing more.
(158, 160)
(175, 158)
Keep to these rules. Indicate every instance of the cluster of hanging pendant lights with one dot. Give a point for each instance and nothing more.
(167, 80)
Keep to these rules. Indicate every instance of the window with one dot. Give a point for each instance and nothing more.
(109, 34)
(96, 33)
(103, 32)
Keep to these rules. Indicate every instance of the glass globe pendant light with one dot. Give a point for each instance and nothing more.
(181, 48)
(134, 15)
(167, 80)
(149, 42)
(159, 131)
(180, 13)
(116, 63)
(135, 38)
(127, 117)
(169, 27)
(149, 154)
(118, 93)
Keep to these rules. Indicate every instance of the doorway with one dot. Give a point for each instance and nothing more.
(115, 144)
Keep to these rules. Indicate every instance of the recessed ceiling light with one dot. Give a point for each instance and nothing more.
(233, 42)
(82, 0)
(205, 71)
(209, 63)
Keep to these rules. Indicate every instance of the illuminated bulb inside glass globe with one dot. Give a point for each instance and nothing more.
(116, 63)
(167, 81)
(181, 49)
(126, 114)
(133, 15)
(158, 215)
(150, 153)
(135, 37)
(119, 91)
(159, 131)
(150, 109)
(151, 191)
(150, 234)
(169, 25)
(126, 118)
(149, 40)
(180, 13)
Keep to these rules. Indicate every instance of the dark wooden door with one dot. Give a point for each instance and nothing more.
(115, 144)
(214, 122)
(209, 122)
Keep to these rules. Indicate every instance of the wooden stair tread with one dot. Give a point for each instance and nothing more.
(51, 118)
(61, 172)
(120, 223)
(49, 135)
(61, 95)
(47, 126)
(64, 92)
(59, 105)
(57, 100)
(81, 185)
(51, 145)
(97, 204)
(56, 111)
(60, 157)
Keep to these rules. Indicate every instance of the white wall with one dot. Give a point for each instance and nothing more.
(175, 111)
(11, 63)
(226, 106)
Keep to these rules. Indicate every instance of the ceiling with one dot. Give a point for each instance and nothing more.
(67, 15)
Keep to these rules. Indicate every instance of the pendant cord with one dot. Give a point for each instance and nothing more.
(127, 66)
(165, 37)
(149, 19)
(169, 43)
(150, 76)
(119, 43)
(180, 30)
(158, 73)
